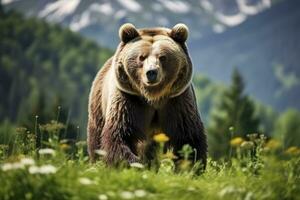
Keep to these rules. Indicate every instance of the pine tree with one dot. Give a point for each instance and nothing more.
(236, 110)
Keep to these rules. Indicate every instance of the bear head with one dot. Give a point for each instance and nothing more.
(153, 63)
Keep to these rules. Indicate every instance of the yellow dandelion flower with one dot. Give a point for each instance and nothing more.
(161, 137)
(65, 146)
(273, 144)
(293, 151)
(236, 142)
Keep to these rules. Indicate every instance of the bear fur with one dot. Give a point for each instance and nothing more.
(126, 109)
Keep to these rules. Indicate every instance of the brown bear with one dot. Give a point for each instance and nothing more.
(145, 89)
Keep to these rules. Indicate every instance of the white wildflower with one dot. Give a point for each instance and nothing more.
(33, 170)
(48, 169)
(85, 181)
(44, 169)
(11, 166)
(127, 195)
(137, 165)
(101, 152)
(6, 166)
(27, 161)
(47, 151)
(140, 193)
(102, 197)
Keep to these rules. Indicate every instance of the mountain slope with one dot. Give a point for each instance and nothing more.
(100, 19)
(266, 50)
(260, 37)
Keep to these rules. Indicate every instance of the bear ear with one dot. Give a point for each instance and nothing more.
(180, 33)
(127, 32)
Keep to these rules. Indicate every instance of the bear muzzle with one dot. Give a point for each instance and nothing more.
(152, 75)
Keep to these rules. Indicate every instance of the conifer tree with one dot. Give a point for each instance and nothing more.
(232, 117)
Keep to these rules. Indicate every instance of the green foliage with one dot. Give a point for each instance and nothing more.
(267, 117)
(207, 94)
(235, 109)
(7, 132)
(287, 128)
(43, 66)
(50, 173)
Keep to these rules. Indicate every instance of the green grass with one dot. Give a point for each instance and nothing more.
(64, 172)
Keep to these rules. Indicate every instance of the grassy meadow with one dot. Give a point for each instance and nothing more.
(60, 169)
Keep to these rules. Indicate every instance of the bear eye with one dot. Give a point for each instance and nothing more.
(142, 58)
(162, 58)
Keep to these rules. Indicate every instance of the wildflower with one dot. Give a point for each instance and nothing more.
(293, 151)
(247, 145)
(102, 197)
(34, 170)
(161, 137)
(85, 181)
(140, 193)
(52, 127)
(169, 155)
(101, 152)
(273, 144)
(12, 166)
(127, 195)
(64, 146)
(137, 165)
(47, 169)
(47, 151)
(44, 169)
(27, 161)
(236, 142)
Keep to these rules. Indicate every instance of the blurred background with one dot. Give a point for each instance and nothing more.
(245, 55)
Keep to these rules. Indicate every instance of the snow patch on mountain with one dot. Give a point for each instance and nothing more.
(104, 8)
(203, 16)
(245, 8)
(58, 10)
(4, 2)
(207, 5)
(131, 5)
(80, 21)
(231, 20)
(176, 6)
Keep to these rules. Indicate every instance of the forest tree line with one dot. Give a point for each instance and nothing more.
(46, 72)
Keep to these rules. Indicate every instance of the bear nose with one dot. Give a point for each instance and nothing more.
(152, 75)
